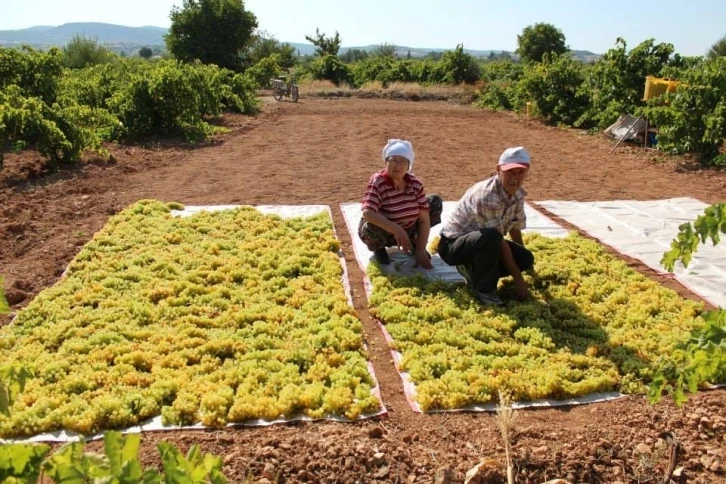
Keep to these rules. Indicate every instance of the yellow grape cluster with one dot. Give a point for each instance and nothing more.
(214, 318)
(592, 325)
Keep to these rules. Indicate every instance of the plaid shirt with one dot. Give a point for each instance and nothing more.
(486, 206)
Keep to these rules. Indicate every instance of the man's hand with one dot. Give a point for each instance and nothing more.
(423, 259)
(402, 239)
(521, 292)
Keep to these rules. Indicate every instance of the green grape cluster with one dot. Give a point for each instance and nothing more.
(215, 318)
(591, 325)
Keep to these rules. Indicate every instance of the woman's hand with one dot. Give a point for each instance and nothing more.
(402, 239)
(423, 258)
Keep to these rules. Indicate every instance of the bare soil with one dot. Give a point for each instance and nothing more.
(322, 151)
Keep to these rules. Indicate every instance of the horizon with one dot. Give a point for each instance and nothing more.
(491, 26)
(306, 42)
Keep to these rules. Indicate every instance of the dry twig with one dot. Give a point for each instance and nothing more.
(505, 421)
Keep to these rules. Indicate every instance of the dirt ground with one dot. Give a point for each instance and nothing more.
(322, 151)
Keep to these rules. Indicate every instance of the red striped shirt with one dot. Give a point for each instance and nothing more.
(401, 207)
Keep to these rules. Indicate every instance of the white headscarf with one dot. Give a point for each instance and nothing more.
(399, 147)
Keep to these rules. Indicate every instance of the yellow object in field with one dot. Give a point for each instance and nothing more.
(656, 86)
(529, 109)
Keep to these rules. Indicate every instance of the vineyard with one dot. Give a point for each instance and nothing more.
(64, 112)
(566, 92)
(125, 311)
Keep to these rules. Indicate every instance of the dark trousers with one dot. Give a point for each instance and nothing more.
(480, 252)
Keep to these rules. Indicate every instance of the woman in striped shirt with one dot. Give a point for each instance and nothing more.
(396, 210)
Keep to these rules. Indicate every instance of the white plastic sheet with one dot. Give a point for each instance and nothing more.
(626, 127)
(644, 230)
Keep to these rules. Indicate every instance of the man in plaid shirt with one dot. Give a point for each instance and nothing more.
(473, 239)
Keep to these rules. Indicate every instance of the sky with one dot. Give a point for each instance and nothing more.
(691, 26)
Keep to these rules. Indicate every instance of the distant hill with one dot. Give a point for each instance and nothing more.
(585, 55)
(121, 38)
(402, 51)
(109, 34)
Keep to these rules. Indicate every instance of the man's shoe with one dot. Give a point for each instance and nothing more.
(381, 255)
(489, 298)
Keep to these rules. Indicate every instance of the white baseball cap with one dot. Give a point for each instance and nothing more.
(516, 157)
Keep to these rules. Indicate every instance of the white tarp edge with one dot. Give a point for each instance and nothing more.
(644, 230)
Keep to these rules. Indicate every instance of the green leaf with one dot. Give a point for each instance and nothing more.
(679, 396)
(22, 455)
(4, 306)
(195, 468)
(122, 452)
(655, 390)
(64, 467)
(702, 359)
(173, 462)
(213, 467)
(4, 400)
(706, 227)
(21, 462)
(96, 466)
(151, 476)
(113, 445)
(12, 382)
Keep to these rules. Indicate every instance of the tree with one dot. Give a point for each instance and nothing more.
(718, 49)
(331, 68)
(264, 45)
(384, 50)
(434, 55)
(693, 119)
(354, 55)
(145, 52)
(264, 71)
(538, 39)
(212, 31)
(458, 66)
(325, 45)
(82, 52)
(555, 87)
(616, 82)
